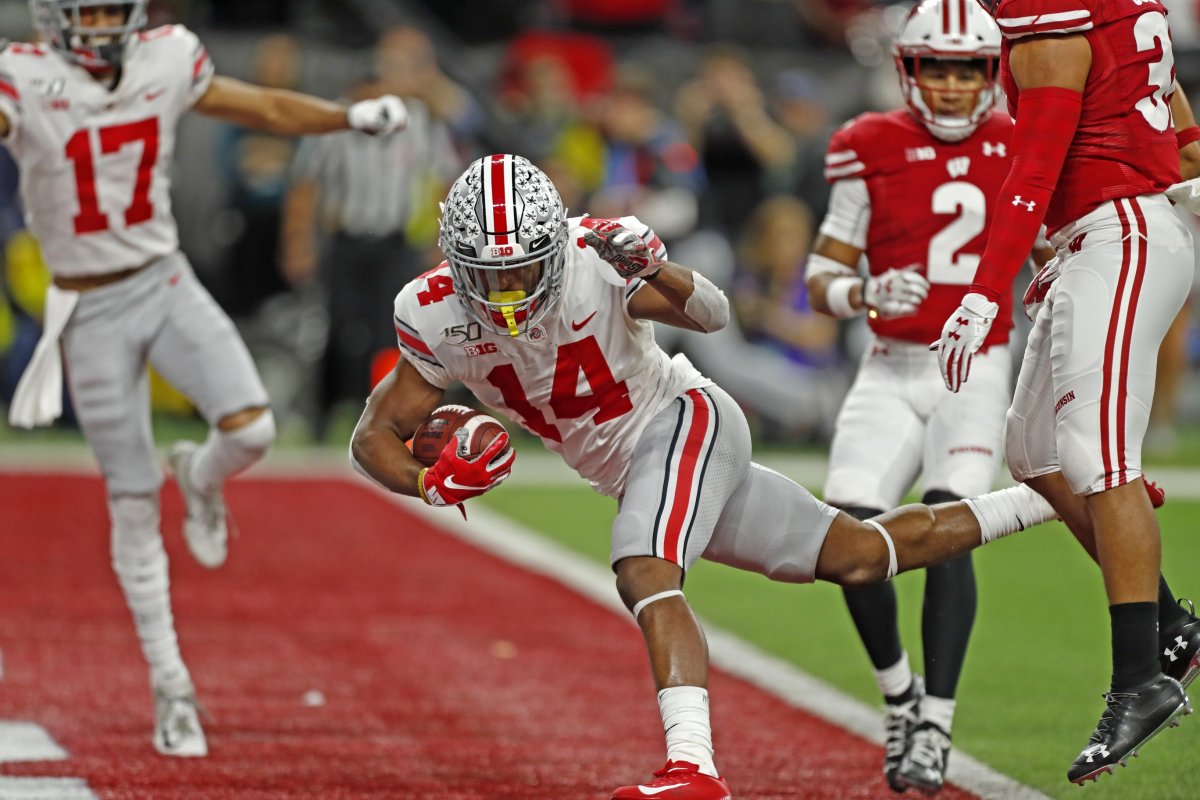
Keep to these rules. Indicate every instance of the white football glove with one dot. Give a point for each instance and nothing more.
(379, 115)
(627, 252)
(1039, 287)
(962, 336)
(1186, 194)
(895, 293)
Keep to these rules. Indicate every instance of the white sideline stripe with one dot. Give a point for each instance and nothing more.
(521, 546)
(27, 741)
(45, 789)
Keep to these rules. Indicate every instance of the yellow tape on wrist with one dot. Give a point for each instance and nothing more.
(421, 486)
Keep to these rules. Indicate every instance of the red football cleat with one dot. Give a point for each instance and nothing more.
(678, 780)
(1157, 496)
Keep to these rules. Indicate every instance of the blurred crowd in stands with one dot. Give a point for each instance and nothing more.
(708, 119)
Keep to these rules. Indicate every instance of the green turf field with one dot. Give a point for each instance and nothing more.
(1039, 659)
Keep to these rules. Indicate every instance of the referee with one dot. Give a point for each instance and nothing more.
(367, 197)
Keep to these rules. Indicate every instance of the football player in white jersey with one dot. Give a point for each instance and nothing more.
(549, 320)
(90, 116)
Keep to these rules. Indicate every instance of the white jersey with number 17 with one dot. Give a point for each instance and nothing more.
(586, 380)
(95, 163)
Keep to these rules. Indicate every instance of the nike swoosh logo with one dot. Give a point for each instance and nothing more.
(646, 790)
(578, 326)
(452, 484)
(152, 96)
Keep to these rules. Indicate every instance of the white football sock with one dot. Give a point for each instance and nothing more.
(141, 565)
(685, 720)
(939, 711)
(226, 453)
(896, 679)
(1008, 511)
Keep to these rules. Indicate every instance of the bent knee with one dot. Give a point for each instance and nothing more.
(854, 555)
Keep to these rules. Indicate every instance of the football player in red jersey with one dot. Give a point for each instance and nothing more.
(1089, 83)
(913, 191)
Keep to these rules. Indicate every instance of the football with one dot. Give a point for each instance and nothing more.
(473, 429)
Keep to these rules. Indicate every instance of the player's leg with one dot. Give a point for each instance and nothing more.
(1032, 455)
(1136, 266)
(199, 352)
(111, 397)
(874, 458)
(961, 455)
(689, 460)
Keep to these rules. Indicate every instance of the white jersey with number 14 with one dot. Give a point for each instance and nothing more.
(586, 380)
(95, 163)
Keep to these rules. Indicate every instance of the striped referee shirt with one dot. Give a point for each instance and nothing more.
(372, 185)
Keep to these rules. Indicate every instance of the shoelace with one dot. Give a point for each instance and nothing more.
(1113, 701)
(929, 748)
(896, 724)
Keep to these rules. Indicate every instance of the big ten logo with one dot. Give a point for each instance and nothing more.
(482, 349)
(920, 154)
(501, 251)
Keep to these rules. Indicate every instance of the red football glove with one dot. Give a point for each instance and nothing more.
(627, 252)
(454, 478)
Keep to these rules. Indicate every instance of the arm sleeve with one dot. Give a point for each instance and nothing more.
(1045, 127)
(849, 214)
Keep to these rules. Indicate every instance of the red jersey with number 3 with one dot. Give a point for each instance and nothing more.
(931, 203)
(95, 164)
(1125, 144)
(586, 379)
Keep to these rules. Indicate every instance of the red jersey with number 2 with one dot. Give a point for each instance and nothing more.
(586, 379)
(95, 163)
(1124, 145)
(931, 204)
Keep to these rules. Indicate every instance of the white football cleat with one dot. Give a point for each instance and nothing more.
(204, 527)
(177, 730)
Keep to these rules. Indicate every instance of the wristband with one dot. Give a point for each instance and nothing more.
(421, 485)
(837, 297)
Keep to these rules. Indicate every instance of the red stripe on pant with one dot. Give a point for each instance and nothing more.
(1139, 275)
(1115, 334)
(685, 473)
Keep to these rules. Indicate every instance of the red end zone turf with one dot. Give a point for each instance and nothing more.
(445, 672)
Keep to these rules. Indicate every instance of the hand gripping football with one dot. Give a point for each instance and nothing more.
(473, 430)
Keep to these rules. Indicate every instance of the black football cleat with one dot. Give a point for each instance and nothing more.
(924, 765)
(899, 721)
(1130, 720)
(1180, 654)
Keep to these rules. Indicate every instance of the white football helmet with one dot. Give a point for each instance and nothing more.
(59, 22)
(947, 30)
(504, 214)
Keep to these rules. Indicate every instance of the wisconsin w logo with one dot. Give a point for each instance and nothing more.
(957, 167)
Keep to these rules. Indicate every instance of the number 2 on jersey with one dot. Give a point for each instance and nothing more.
(609, 397)
(944, 263)
(90, 218)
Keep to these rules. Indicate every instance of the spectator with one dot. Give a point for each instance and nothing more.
(650, 170)
(725, 117)
(799, 103)
(769, 293)
(256, 165)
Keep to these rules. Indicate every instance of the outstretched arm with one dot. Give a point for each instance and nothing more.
(291, 113)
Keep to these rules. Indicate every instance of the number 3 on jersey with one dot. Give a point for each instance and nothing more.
(609, 397)
(90, 218)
